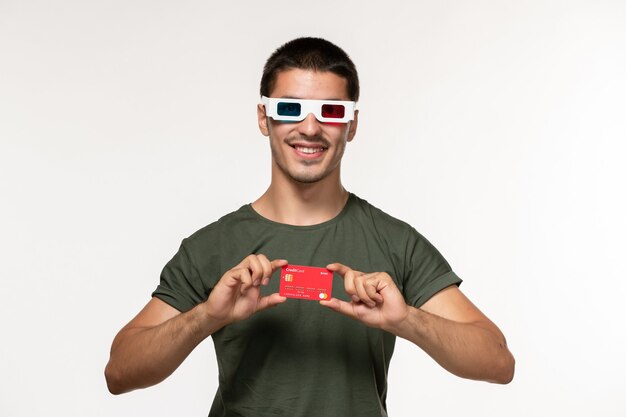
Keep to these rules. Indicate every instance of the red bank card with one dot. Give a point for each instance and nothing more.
(306, 282)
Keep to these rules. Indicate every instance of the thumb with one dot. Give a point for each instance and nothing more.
(270, 301)
(339, 306)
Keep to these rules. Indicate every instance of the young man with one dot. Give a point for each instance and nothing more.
(301, 357)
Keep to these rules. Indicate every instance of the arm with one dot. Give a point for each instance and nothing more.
(459, 337)
(149, 348)
(448, 326)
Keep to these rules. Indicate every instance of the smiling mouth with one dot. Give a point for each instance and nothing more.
(309, 150)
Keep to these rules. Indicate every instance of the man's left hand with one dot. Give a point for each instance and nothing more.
(376, 300)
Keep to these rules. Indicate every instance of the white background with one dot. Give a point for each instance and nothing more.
(496, 128)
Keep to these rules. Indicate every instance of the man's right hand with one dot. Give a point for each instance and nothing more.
(153, 344)
(237, 294)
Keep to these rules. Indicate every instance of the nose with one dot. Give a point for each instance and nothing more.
(309, 126)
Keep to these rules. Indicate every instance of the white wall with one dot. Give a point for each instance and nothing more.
(496, 128)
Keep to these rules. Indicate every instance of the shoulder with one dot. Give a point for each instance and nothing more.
(383, 222)
(396, 233)
(211, 234)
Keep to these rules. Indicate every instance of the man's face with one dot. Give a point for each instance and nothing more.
(307, 151)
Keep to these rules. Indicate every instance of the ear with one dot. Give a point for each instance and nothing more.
(262, 119)
(353, 124)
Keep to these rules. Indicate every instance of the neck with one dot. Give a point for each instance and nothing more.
(302, 204)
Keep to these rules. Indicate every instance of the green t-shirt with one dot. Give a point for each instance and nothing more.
(299, 358)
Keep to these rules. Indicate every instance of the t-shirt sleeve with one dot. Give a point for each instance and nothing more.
(181, 283)
(426, 271)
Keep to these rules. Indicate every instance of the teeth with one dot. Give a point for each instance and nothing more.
(308, 150)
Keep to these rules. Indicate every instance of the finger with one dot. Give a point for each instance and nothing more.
(231, 278)
(270, 301)
(361, 292)
(339, 306)
(266, 265)
(278, 263)
(348, 276)
(243, 274)
(273, 266)
(256, 269)
(235, 278)
(370, 285)
(341, 269)
(348, 284)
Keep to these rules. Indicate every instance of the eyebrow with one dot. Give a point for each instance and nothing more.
(323, 99)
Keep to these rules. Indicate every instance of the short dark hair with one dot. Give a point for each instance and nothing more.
(315, 54)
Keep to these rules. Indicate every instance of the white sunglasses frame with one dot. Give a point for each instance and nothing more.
(307, 107)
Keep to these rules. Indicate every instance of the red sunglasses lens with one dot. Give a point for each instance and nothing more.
(333, 111)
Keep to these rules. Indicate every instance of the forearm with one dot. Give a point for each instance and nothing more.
(145, 356)
(468, 350)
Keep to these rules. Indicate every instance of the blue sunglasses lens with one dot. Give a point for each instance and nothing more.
(288, 109)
